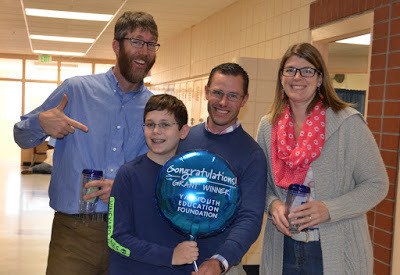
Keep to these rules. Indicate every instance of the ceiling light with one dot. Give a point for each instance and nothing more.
(63, 39)
(364, 39)
(68, 15)
(59, 53)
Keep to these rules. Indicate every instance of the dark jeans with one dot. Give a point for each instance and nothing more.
(302, 258)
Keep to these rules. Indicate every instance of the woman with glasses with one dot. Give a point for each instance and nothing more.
(312, 138)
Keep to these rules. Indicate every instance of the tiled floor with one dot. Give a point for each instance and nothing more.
(25, 220)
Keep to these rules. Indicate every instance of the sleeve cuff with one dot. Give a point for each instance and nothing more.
(35, 124)
(222, 260)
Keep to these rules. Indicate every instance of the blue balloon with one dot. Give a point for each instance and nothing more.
(198, 193)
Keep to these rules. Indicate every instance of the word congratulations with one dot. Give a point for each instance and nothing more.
(186, 173)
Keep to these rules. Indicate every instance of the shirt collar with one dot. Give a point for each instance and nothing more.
(110, 74)
(230, 129)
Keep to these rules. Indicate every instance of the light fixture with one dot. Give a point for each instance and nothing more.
(62, 39)
(364, 39)
(53, 66)
(59, 53)
(68, 15)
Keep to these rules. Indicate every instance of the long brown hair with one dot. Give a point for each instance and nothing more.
(312, 55)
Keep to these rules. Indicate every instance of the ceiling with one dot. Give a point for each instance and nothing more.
(350, 50)
(172, 17)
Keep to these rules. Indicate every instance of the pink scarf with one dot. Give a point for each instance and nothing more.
(291, 160)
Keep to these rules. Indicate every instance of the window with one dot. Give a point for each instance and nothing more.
(102, 68)
(10, 111)
(69, 69)
(11, 68)
(36, 94)
(41, 71)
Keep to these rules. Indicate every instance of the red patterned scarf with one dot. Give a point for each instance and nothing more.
(291, 160)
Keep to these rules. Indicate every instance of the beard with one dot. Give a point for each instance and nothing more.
(128, 72)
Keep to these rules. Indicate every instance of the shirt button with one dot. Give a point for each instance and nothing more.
(118, 127)
(115, 91)
(123, 106)
(114, 149)
(112, 170)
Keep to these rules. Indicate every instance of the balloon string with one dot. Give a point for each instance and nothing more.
(194, 262)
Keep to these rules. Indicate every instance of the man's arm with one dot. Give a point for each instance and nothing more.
(247, 226)
(47, 119)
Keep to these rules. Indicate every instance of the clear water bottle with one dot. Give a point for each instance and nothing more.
(297, 195)
(88, 175)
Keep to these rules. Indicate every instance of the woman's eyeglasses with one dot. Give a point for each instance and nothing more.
(304, 72)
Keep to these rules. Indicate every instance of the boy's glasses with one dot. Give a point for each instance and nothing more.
(163, 125)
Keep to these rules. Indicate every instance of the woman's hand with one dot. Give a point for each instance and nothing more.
(278, 217)
(310, 214)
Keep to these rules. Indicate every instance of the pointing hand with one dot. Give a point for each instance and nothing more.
(56, 124)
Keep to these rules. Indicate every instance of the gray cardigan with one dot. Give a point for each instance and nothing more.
(350, 178)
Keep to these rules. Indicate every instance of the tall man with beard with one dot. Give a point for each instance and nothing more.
(97, 122)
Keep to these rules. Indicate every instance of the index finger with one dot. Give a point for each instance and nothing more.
(92, 195)
(283, 220)
(78, 125)
(94, 183)
(302, 207)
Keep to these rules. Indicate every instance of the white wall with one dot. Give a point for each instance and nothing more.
(249, 32)
(247, 28)
(352, 82)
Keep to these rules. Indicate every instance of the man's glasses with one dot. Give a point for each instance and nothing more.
(234, 97)
(138, 44)
(304, 72)
(162, 125)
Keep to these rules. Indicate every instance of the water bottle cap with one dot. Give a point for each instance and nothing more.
(298, 188)
(91, 172)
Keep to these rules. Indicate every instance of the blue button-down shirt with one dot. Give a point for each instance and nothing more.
(115, 135)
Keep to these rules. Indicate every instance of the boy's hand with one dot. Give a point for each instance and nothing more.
(185, 253)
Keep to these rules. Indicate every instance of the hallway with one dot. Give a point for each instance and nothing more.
(25, 220)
